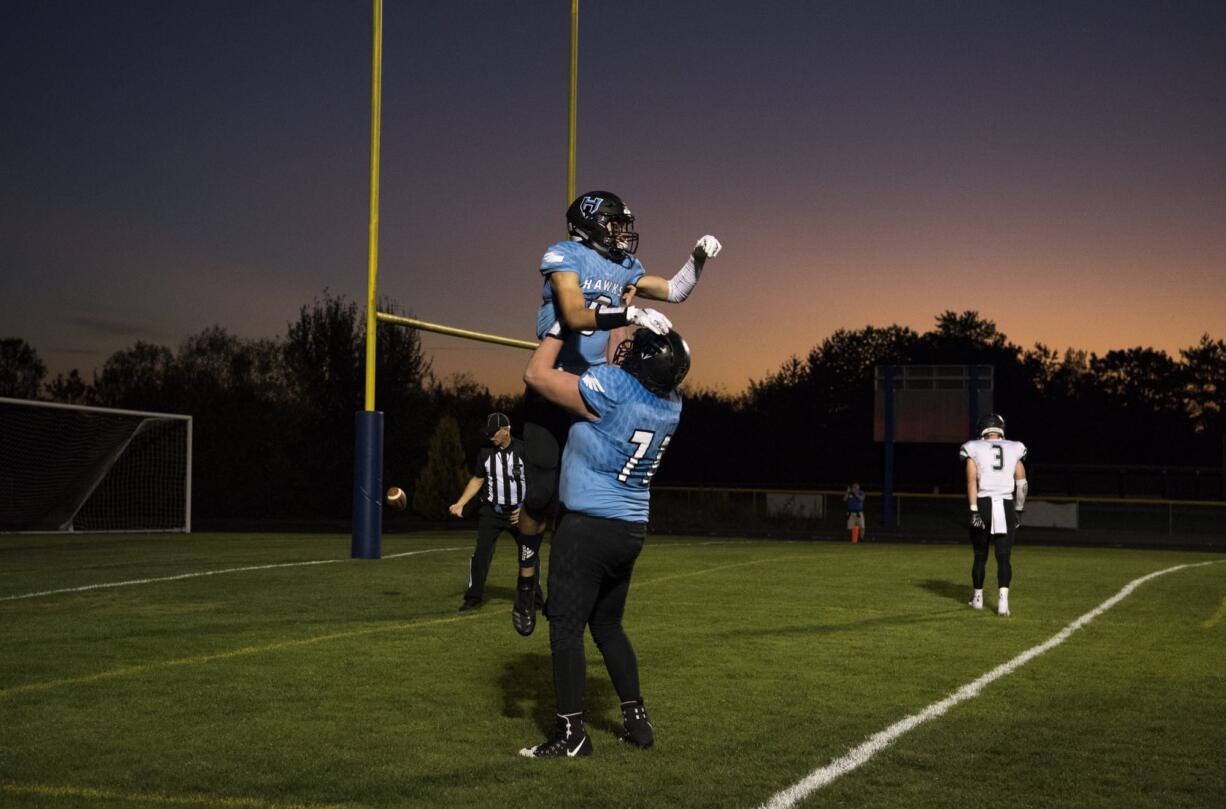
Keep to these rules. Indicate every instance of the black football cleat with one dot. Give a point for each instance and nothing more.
(470, 604)
(569, 740)
(523, 611)
(638, 726)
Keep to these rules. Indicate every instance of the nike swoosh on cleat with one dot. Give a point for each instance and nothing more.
(572, 753)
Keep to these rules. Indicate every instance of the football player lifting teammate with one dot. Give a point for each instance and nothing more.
(626, 413)
(589, 281)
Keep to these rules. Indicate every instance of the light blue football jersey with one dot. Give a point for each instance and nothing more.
(608, 463)
(602, 282)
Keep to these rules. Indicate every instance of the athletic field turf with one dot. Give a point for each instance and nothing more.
(273, 682)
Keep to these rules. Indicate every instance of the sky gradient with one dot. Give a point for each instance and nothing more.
(1059, 167)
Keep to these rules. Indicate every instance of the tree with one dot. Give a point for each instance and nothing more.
(21, 371)
(1140, 378)
(139, 378)
(1205, 387)
(323, 364)
(444, 476)
(244, 424)
(71, 389)
(401, 375)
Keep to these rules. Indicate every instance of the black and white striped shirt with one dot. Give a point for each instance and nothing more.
(503, 470)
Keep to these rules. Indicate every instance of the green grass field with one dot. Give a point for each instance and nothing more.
(356, 683)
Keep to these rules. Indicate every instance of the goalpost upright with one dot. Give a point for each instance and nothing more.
(368, 423)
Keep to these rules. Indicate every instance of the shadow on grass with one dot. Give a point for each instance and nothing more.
(495, 593)
(946, 589)
(941, 615)
(527, 691)
(492, 593)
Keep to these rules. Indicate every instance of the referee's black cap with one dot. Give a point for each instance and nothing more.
(495, 422)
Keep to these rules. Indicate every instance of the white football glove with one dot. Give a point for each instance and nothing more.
(707, 247)
(648, 319)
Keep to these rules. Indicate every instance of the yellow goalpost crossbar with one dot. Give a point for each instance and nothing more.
(438, 328)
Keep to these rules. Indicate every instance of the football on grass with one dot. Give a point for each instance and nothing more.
(396, 498)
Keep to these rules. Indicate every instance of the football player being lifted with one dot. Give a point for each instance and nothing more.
(996, 488)
(589, 281)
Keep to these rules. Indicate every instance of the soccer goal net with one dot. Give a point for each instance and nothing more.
(71, 468)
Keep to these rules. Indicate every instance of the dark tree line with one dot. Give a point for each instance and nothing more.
(274, 417)
(810, 422)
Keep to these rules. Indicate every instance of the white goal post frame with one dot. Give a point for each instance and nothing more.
(114, 411)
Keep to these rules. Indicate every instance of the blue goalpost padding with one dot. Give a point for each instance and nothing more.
(367, 484)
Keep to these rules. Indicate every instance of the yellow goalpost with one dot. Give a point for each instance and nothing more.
(368, 423)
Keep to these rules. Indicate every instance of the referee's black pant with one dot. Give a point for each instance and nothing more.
(591, 560)
(490, 524)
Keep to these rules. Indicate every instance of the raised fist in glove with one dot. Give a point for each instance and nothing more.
(707, 247)
(648, 319)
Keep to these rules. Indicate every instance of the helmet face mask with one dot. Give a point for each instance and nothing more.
(602, 221)
(991, 423)
(658, 361)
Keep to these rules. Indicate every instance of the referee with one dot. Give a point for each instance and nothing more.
(498, 475)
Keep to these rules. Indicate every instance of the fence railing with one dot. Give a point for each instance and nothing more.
(1049, 519)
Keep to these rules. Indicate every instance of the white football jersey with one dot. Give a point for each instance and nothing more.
(995, 460)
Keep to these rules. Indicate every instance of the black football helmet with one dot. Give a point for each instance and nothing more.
(659, 361)
(992, 423)
(603, 222)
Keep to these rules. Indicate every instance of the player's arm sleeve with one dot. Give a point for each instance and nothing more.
(1020, 487)
(652, 287)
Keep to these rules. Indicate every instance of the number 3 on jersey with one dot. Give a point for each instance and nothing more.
(642, 442)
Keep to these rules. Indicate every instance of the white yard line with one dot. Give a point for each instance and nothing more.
(131, 582)
(862, 754)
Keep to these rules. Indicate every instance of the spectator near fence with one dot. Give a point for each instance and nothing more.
(855, 512)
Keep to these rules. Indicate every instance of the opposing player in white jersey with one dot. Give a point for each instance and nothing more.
(996, 488)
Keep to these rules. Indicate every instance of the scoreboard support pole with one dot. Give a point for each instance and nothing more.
(888, 517)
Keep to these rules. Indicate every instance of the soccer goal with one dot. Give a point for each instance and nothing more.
(74, 468)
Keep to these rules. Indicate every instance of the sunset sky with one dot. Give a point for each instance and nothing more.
(1058, 166)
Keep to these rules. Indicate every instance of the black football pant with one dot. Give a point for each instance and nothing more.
(982, 538)
(490, 524)
(590, 564)
(545, 430)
